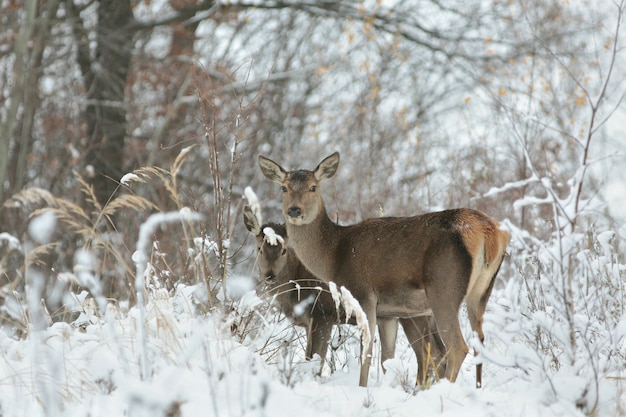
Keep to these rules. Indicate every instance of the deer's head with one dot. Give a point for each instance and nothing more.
(271, 243)
(302, 201)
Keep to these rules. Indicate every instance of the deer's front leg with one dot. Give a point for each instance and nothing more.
(367, 341)
(388, 333)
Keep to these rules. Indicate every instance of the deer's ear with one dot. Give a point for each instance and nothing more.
(251, 222)
(327, 167)
(272, 170)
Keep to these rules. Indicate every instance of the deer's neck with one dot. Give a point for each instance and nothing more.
(293, 263)
(315, 244)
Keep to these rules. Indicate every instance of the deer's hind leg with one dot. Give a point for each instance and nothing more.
(423, 337)
(446, 281)
(446, 317)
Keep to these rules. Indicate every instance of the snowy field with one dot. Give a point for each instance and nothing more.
(243, 360)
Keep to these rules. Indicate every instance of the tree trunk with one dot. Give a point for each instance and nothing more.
(18, 174)
(18, 94)
(105, 83)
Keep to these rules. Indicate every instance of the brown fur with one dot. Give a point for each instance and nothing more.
(396, 267)
(285, 270)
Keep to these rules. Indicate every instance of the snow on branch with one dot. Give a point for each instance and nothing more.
(510, 186)
(140, 258)
(353, 308)
(253, 202)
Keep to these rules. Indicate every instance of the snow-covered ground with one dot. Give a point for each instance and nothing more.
(194, 366)
(555, 346)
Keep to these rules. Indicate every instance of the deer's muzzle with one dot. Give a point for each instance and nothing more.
(294, 212)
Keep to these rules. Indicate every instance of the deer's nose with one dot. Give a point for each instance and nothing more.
(294, 212)
(270, 278)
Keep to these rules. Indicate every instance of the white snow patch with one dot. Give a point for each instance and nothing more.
(253, 202)
(352, 307)
(272, 237)
(615, 195)
(605, 239)
(130, 177)
(238, 285)
(13, 242)
(42, 227)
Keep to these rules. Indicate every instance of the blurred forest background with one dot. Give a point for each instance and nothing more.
(510, 107)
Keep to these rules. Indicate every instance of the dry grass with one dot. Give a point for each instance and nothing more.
(105, 231)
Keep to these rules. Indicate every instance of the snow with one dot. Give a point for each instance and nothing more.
(42, 227)
(253, 202)
(604, 239)
(130, 177)
(204, 372)
(510, 186)
(238, 286)
(165, 358)
(301, 308)
(353, 309)
(12, 241)
(272, 237)
(615, 195)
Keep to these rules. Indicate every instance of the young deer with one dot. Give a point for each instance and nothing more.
(280, 267)
(393, 265)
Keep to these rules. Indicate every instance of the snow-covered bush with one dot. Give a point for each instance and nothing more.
(559, 320)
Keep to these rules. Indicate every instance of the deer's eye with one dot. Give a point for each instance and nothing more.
(313, 188)
(284, 251)
(284, 189)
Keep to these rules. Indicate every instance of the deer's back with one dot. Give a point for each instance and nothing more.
(400, 252)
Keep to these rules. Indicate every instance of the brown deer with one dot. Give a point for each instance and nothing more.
(397, 266)
(280, 267)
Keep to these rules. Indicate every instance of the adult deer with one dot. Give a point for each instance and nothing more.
(317, 313)
(392, 265)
